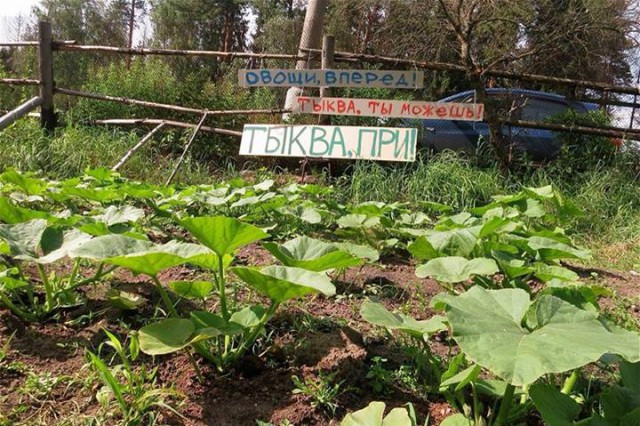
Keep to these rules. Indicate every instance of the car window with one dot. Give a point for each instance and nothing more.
(539, 110)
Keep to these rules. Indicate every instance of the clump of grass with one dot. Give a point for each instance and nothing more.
(447, 178)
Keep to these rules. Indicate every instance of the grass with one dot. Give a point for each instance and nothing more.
(74, 148)
(447, 178)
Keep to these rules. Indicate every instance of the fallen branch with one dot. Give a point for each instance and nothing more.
(186, 149)
(33, 43)
(137, 146)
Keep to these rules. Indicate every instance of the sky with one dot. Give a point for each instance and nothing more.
(9, 11)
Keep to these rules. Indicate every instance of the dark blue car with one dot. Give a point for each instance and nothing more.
(514, 104)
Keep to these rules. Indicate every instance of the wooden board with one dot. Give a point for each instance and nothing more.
(366, 143)
(389, 109)
(331, 78)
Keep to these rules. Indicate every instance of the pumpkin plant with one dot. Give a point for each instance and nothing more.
(39, 245)
(521, 342)
(225, 336)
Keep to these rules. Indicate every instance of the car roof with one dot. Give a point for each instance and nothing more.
(524, 92)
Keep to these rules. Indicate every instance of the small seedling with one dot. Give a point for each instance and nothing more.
(322, 391)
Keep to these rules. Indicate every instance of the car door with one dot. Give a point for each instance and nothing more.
(539, 144)
(455, 134)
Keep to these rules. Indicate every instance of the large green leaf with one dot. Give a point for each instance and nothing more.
(24, 238)
(556, 408)
(550, 249)
(373, 415)
(222, 234)
(69, 241)
(13, 214)
(171, 335)
(488, 327)
(114, 215)
(281, 283)
(113, 245)
(455, 242)
(358, 221)
(192, 289)
(422, 249)
(360, 251)
(314, 255)
(139, 256)
(549, 272)
(456, 269)
(377, 314)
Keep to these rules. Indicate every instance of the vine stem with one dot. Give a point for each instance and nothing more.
(505, 406)
(165, 297)
(15, 309)
(47, 287)
(570, 383)
(221, 289)
(256, 331)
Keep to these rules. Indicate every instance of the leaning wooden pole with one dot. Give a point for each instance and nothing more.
(19, 112)
(328, 49)
(311, 38)
(137, 146)
(186, 149)
(173, 123)
(45, 62)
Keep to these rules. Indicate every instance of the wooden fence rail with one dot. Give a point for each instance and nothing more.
(170, 107)
(20, 82)
(176, 52)
(442, 66)
(173, 123)
(20, 111)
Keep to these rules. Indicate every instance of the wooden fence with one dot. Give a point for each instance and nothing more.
(47, 89)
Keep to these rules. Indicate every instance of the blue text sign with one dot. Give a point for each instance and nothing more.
(331, 78)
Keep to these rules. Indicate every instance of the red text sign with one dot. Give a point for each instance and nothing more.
(389, 109)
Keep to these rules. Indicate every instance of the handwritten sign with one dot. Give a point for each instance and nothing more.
(367, 143)
(331, 78)
(390, 109)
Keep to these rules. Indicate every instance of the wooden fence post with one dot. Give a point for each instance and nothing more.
(45, 61)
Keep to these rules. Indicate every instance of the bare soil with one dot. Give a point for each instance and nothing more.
(309, 339)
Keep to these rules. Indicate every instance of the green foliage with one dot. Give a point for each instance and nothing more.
(579, 152)
(375, 313)
(133, 390)
(150, 81)
(312, 254)
(447, 178)
(322, 390)
(528, 340)
(373, 415)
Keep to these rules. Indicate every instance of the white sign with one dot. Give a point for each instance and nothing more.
(366, 143)
(331, 78)
(390, 109)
